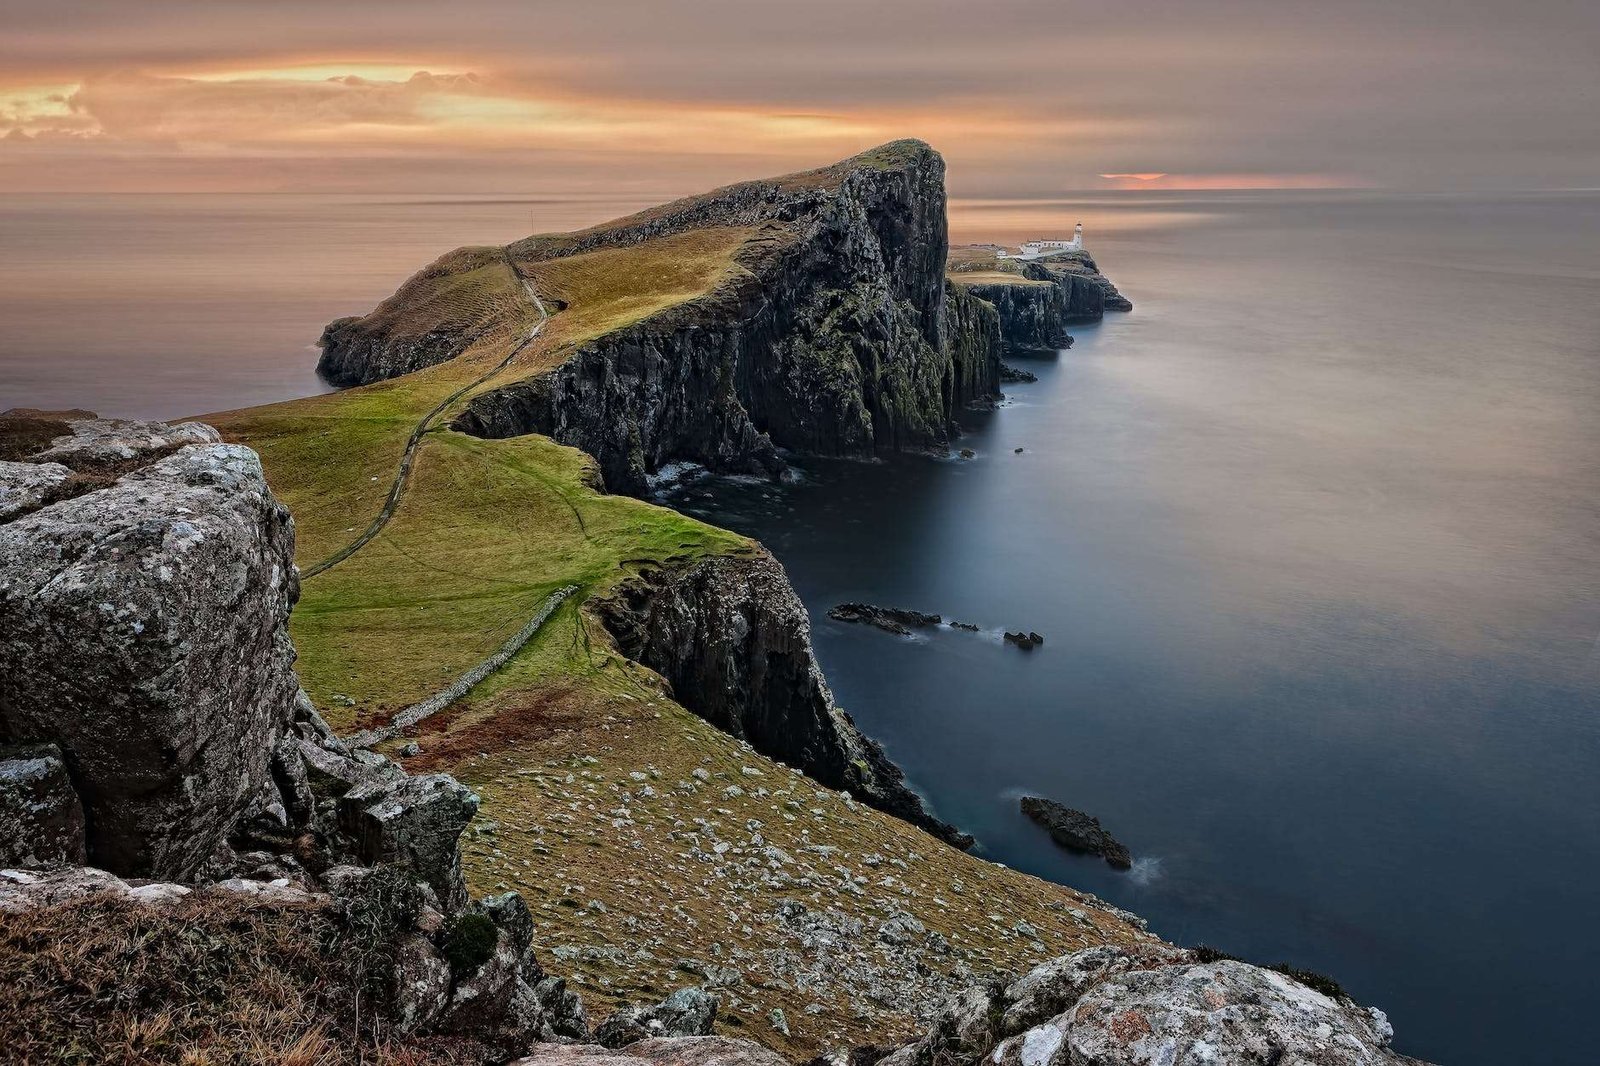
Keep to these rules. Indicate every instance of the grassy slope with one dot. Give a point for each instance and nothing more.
(485, 531)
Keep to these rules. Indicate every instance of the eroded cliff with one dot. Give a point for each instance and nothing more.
(731, 637)
(831, 334)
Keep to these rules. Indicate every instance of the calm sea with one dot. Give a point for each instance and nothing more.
(1313, 536)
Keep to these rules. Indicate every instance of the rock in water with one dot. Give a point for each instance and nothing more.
(143, 628)
(894, 620)
(1076, 830)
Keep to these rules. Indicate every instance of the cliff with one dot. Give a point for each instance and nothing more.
(830, 334)
(1032, 314)
(733, 641)
(1036, 299)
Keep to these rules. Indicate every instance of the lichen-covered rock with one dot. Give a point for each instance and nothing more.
(686, 1012)
(143, 627)
(414, 823)
(681, 1051)
(41, 819)
(1151, 1005)
(101, 442)
(733, 640)
(27, 487)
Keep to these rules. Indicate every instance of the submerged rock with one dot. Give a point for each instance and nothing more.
(1076, 830)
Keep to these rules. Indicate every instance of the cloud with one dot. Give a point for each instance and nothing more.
(1023, 96)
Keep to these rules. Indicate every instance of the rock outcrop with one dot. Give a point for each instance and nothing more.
(836, 335)
(1153, 1005)
(687, 1012)
(41, 817)
(1033, 312)
(154, 729)
(1090, 294)
(732, 640)
(685, 1051)
(143, 627)
(1076, 831)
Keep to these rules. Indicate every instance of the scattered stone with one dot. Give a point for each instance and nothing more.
(687, 1012)
(1025, 641)
(1076, 831)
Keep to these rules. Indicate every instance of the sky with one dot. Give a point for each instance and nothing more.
(1023, 97)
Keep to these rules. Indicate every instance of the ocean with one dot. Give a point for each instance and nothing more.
(1312, 535)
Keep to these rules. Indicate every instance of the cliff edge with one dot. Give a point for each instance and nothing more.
(831, 329)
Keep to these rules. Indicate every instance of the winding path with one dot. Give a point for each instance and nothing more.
(391, 504)
(462, 685)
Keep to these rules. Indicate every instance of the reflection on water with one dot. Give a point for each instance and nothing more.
(1313, 537)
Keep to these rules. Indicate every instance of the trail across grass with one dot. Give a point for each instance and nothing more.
(421, 429)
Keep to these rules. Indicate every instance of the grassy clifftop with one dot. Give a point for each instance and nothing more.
(655, 850)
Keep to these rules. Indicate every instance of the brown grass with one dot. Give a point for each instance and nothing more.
(210, 979)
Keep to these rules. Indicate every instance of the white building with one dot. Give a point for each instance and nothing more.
(1042, 247)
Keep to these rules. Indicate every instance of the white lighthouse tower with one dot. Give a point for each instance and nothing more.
(1077, 237)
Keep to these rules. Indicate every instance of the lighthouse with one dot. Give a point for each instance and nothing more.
(1077, 237)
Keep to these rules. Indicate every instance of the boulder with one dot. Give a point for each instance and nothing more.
(27, 487)
(680, 1051)
(1151, 1004)
(414, 823)
(41, 819)
(102, 442)
(687, 1012)
(1076, 831)
(143, 626)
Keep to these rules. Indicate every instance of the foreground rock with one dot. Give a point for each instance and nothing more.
(143, 627)
(1150, 1006)
(1076, 831)
(687, 1051)
(156, 731)
(41, 817)
(687, 1012)
(732, 639)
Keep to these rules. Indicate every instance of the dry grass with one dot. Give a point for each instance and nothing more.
(210, 979)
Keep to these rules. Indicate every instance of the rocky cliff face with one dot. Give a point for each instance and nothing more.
(1090, 294)
(1032, 314)
(833, 339)
(731, 637)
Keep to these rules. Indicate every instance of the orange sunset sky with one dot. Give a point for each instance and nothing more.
(1024, 97)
